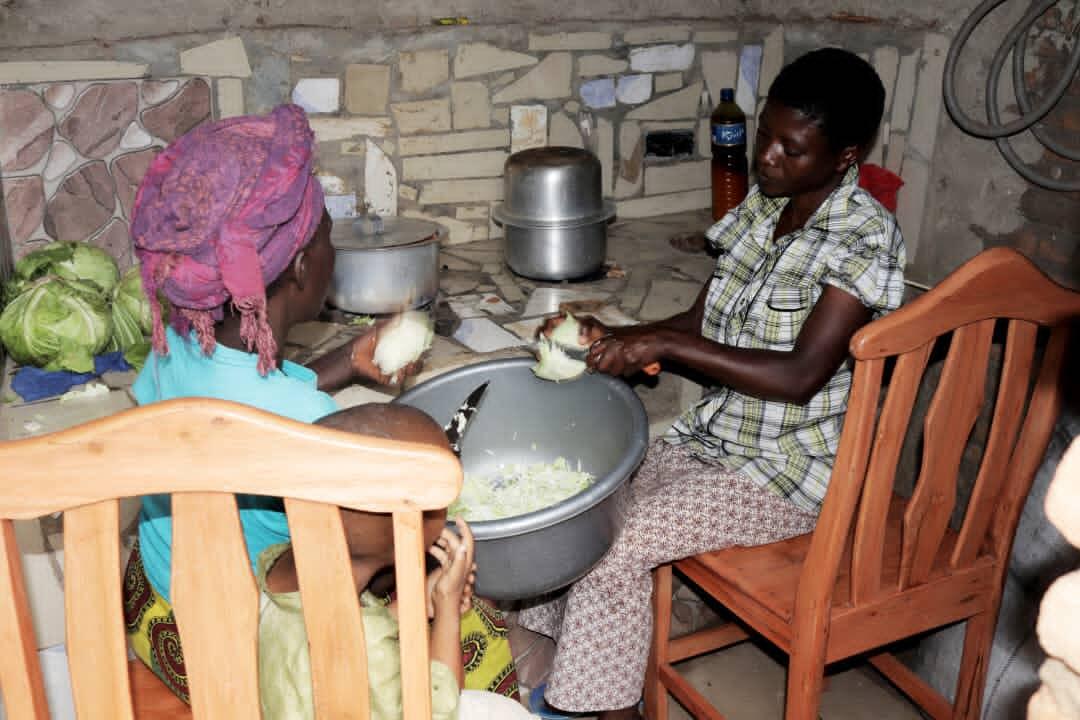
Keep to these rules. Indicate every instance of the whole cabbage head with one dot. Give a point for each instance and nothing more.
(57, 324)
(67, 260)
(132, 320)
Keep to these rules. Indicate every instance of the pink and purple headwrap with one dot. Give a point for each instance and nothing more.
(219, 215)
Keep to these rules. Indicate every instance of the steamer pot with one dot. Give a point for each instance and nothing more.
(555, 216)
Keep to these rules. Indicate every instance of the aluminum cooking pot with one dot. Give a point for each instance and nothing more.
(384, 265)
(555, 215)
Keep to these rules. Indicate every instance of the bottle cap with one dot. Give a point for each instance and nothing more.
(727, 95)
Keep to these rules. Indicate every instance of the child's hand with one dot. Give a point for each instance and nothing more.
(455, 554)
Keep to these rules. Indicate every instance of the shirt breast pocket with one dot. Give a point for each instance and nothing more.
(785, 312)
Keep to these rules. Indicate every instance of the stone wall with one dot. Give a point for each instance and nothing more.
(420, 125)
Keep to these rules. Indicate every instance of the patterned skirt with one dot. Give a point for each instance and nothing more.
(155, 639)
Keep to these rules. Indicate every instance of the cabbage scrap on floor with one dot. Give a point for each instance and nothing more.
(518, 489)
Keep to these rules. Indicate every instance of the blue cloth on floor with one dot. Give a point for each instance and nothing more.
(33, 383)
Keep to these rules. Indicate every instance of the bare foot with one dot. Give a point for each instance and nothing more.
(629, 713)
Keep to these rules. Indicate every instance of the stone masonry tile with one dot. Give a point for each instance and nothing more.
(422, 116)
(155, 91)
(598, 93)
(721, 70)
(904, 94)
(675, 106)
(82, 205)
(501, 116)
(660, 34)
(668, 82)
(563, 132)
(332, 129)
(548, 80)
(445, 192)
(62, 158)
(487, 163)
(660, 179)
(102, 113)
(318, 95)
(230, 97)
(471, 105)
(380, 181)
(423, 70)
(572, 107)
(60, 95)
(28, 129)
(127, 172)
(408, 192)
(570, 41)
(662, 58)
(629, 139)
(115, 239)
(593, 65)
(634, 89)
(222, 58)
(472, 59)
(894, 157)
(664, 204)
(528, 127)
(605, 150)
(704, 138)
(367, 89)
(472, 212)
(24, 204)
(458, 232)
(42, 71)
(715, 37)
(886, 60)
(455, 142)
(183, 111)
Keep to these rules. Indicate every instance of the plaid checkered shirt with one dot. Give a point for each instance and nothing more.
(761, 292)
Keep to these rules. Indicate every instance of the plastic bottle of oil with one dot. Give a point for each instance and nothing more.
(729, 166)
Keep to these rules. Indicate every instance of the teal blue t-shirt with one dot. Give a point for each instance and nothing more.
(227, 374)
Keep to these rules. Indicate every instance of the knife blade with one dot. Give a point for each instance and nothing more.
(455, 429)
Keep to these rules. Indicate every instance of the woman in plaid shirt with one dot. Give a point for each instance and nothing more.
(804, 261)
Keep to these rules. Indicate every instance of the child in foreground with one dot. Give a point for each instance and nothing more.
(284, 663)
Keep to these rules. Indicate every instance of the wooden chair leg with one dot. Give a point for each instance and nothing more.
(806, 680)
(656, 696)
(971, 682)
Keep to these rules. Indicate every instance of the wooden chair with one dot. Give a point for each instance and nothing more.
(880, 567)
(202, 451)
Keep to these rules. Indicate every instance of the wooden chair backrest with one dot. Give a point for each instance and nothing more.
(999, 284)
(202, 451)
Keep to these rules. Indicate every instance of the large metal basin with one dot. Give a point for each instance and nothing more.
(596, 418)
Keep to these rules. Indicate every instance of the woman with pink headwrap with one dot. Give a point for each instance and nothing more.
(230, 228)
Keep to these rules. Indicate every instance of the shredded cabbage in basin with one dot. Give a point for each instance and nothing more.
(518, 489)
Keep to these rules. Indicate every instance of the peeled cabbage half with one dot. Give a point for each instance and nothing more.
(403, 341)
(567, 333)
(132, 321)
(554, 364)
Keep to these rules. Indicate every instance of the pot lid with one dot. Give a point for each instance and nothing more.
(375, 231)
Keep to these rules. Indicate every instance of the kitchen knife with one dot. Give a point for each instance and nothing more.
(455, 429)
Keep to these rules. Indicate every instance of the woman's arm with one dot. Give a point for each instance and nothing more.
(790, 376)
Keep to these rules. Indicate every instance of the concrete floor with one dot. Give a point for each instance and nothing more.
(744, 683)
